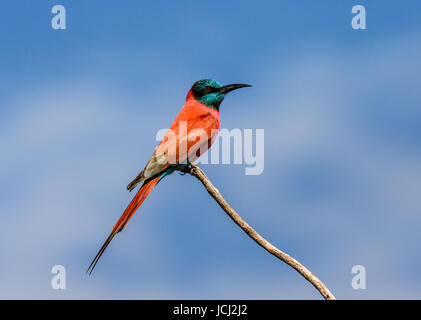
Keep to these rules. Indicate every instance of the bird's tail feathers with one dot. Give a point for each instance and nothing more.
(138, 199)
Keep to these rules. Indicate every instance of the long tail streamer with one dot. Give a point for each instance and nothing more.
(138, 199)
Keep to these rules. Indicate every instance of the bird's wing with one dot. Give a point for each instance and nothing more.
(178, 145)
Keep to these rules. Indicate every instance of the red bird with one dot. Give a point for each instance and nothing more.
(191, 134)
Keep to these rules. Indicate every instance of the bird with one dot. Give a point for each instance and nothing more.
(191, 134)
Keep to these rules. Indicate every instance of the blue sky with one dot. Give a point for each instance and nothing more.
(80, 108)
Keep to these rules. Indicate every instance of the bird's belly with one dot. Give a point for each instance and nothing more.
(201, 144)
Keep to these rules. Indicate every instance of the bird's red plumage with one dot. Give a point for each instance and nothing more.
(197, 117)
(193, 124)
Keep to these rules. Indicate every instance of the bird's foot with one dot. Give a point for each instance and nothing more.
(186, 169)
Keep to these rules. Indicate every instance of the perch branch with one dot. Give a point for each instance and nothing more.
(196, 172)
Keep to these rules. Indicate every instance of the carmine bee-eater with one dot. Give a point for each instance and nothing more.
(191, 134)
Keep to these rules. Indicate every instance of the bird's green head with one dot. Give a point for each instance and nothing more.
(211, 93)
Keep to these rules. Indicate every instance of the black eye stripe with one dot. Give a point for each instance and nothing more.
(200, 92)
(210, 90)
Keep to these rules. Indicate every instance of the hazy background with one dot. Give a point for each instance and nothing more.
(341, 110)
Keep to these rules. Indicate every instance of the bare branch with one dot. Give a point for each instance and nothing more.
(196, 172)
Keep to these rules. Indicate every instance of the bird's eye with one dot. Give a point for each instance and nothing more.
(207, 90)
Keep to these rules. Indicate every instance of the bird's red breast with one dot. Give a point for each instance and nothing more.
(194, 123)
(191, 134)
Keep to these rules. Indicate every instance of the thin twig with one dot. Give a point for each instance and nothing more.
(196, 172)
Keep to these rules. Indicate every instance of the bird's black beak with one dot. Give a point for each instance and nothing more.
(231, 87)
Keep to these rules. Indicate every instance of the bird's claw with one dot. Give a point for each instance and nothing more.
(186, 169)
